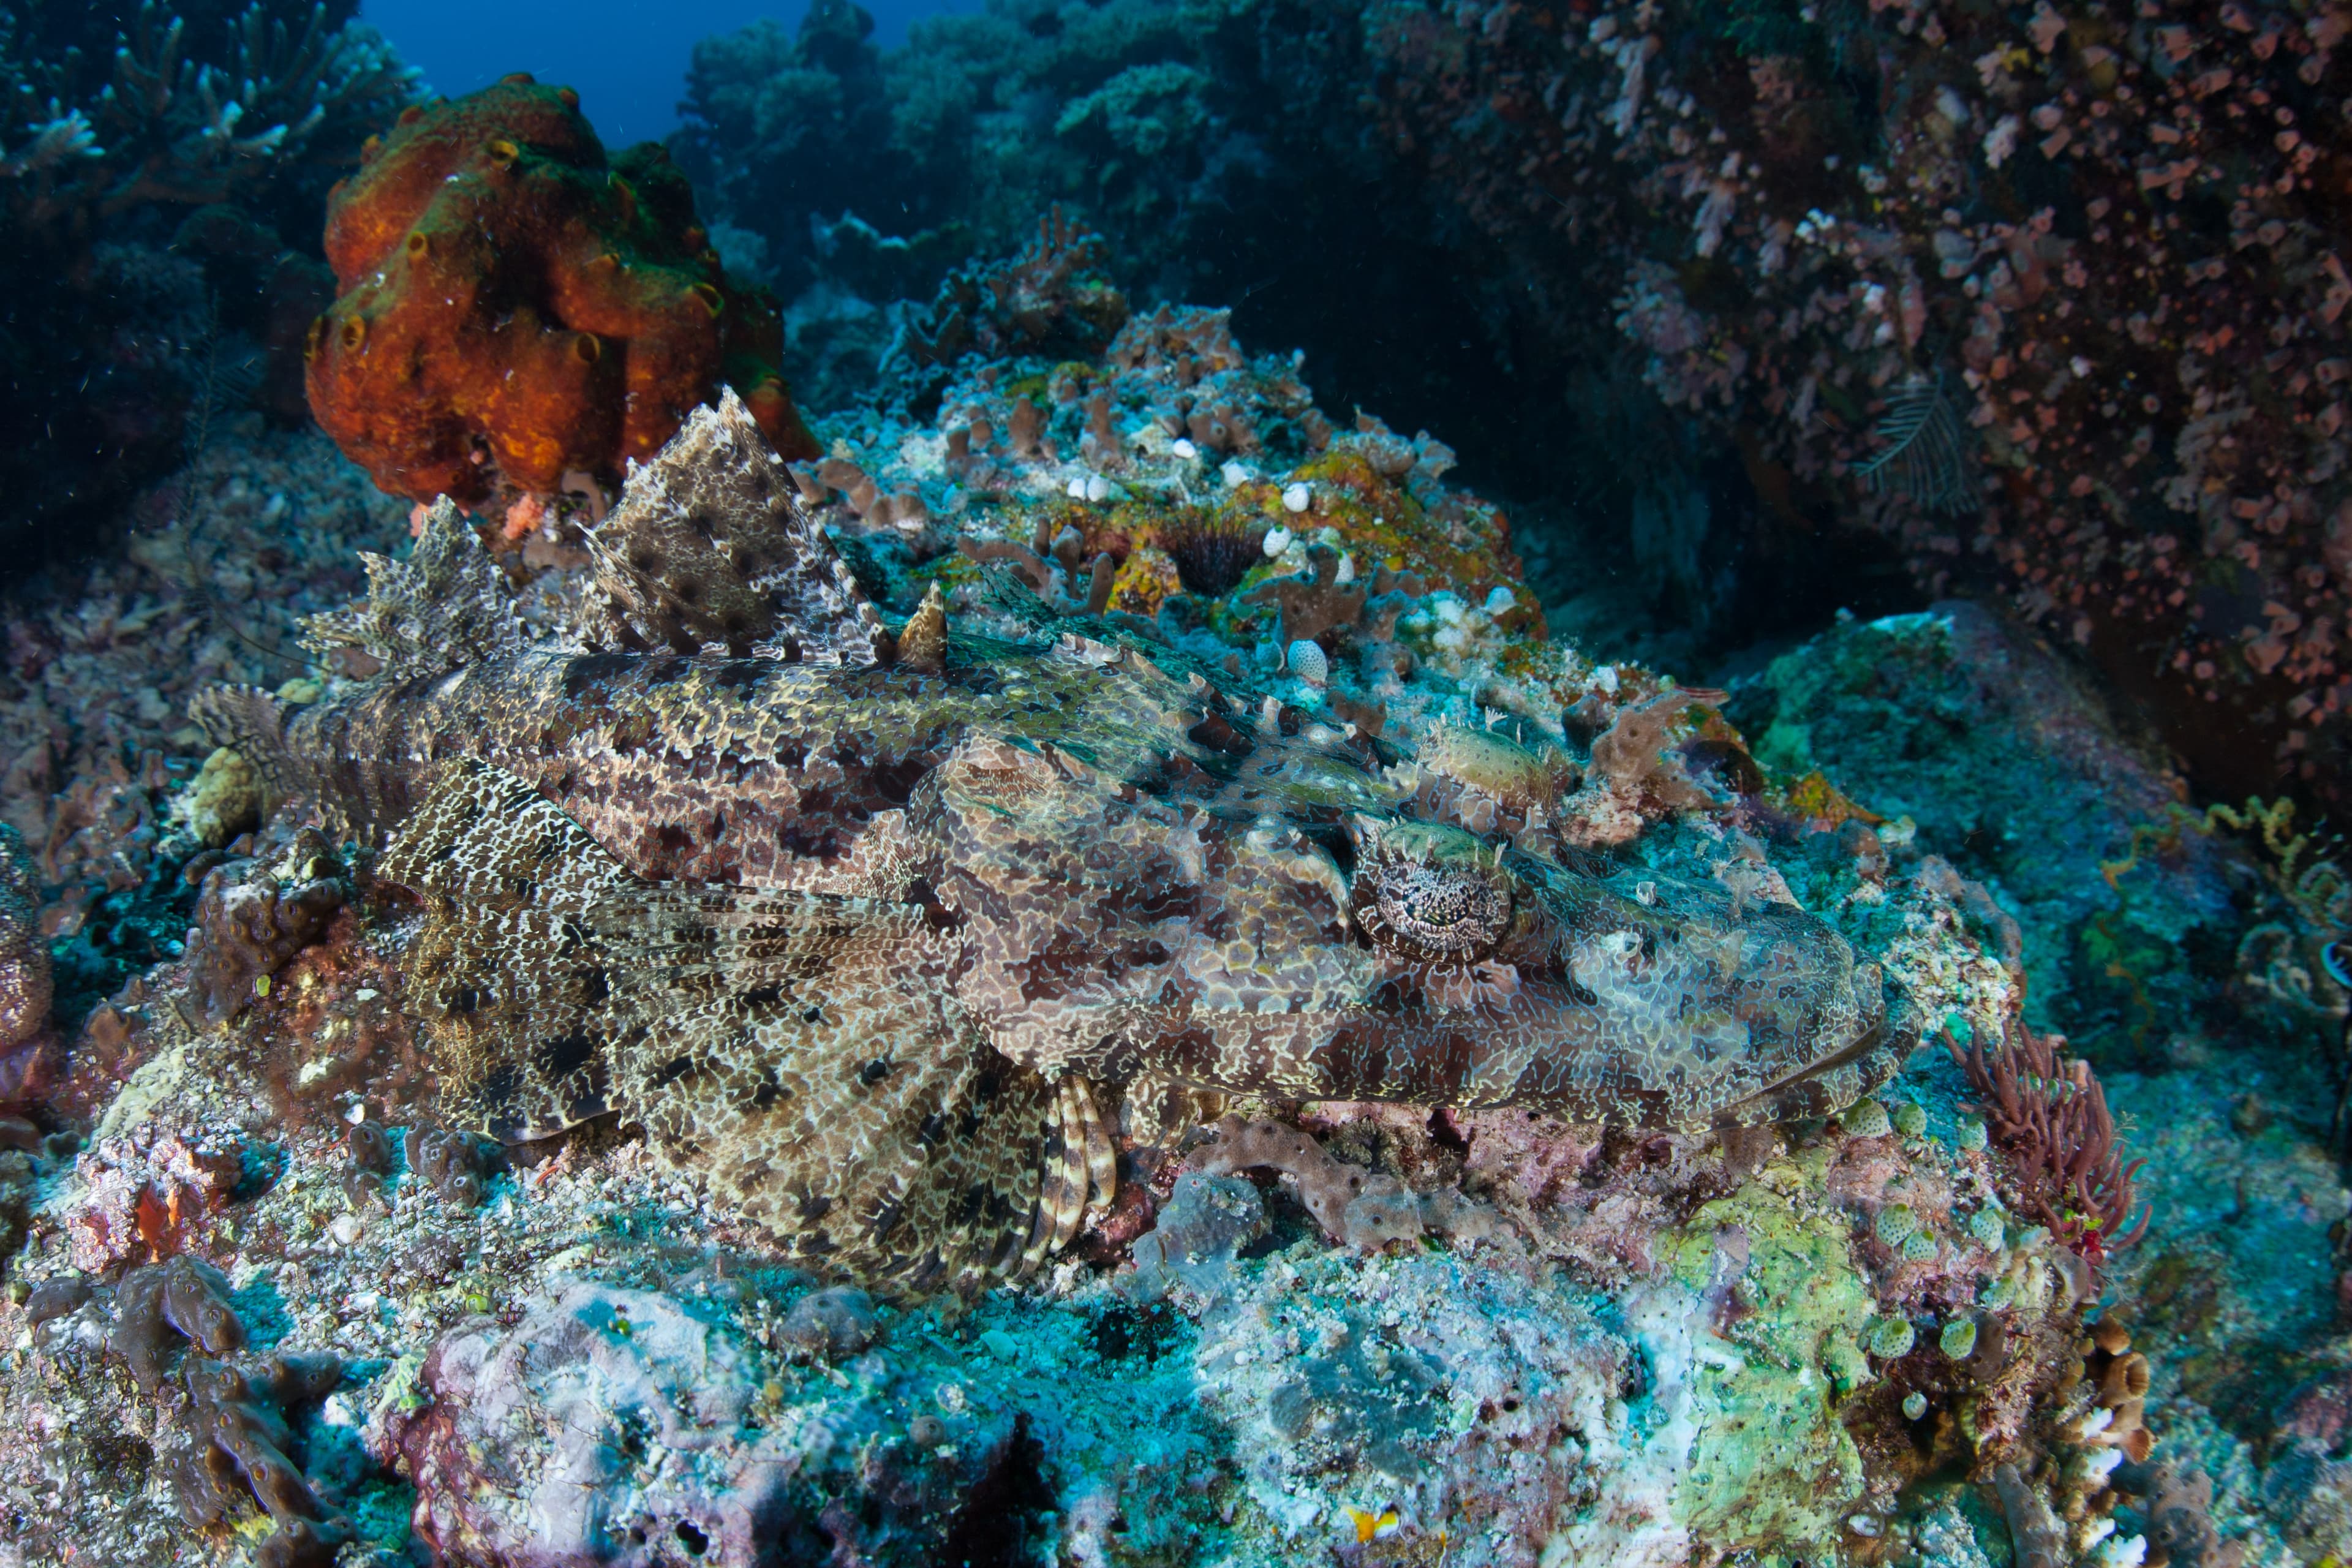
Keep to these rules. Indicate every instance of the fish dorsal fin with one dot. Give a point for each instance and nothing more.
(711, 551)
(446, 606)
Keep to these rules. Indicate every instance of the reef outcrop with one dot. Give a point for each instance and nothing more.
(2037, 301)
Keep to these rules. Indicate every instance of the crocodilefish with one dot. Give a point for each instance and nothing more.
(873, 926)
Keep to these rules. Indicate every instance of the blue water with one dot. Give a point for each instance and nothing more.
(626, 57)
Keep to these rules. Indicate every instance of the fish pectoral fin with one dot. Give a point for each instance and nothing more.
(800, 1052)
(507, 974)
(872, 1137)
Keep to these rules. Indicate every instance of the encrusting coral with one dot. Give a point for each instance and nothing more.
(520, 314)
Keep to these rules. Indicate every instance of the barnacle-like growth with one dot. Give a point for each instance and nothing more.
(2051, 1118)
(518, 307)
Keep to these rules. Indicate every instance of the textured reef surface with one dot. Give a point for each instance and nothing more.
(1778, 303)
(1075, 979)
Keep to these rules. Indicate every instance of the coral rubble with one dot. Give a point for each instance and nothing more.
(515, 308)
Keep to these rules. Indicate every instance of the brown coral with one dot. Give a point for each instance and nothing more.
(517, 306)
(251, 920)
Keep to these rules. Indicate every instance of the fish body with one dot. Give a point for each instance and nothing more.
(864, 940)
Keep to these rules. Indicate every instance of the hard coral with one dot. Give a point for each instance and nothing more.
(153, 161)
(517, 306)
(252, 919)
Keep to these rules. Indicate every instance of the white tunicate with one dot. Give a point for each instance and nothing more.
(1235, 474)
(1183, 447)
(1076, 490)
(1097, 489)
(1296, 497)
(1308, 662)
(1500, 600)
(1605, 677)
(1277, 540)
(1346, 572)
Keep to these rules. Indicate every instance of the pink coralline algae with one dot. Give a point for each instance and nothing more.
(2056, 300)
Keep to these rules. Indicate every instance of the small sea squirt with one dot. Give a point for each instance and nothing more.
(872, 937)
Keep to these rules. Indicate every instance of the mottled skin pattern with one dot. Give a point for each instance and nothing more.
(856, 940)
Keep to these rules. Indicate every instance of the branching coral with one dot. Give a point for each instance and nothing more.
(172, 123)
(2051, 1119)
(159, 174)
(516, 308)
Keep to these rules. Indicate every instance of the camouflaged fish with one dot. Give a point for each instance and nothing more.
(868, 926)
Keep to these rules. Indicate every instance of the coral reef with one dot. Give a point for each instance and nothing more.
(159, 172)
(2183, 953)
(102, 657)
(519, 314)
(1441, 1324)
(2022, 300)
(25, 983)
(2052, 303)
(2052, 1118)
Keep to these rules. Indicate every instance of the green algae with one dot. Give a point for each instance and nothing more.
(1772, 1469)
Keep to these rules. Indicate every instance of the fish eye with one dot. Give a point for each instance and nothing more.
(1431, 893)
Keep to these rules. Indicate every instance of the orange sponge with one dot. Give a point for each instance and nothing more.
(514, 307)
